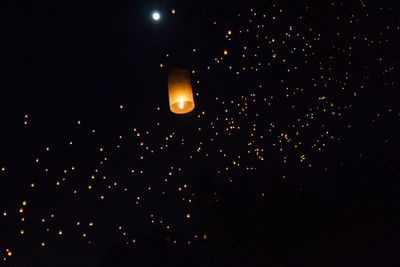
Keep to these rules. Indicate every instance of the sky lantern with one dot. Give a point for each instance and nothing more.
(180, 91)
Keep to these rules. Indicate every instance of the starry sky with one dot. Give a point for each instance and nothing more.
(293, 145)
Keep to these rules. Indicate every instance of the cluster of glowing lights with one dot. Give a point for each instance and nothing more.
(248, 120)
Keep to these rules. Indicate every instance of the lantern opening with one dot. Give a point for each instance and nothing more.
(182, 107)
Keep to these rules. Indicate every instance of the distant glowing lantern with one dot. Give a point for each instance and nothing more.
(180, 91)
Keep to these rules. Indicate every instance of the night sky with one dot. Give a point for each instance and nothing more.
(291, 156)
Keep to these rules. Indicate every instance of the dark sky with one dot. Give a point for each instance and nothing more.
(304, 102)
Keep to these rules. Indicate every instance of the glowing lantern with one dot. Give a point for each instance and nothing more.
(180, 91)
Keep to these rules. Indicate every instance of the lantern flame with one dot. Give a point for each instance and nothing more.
(181, 105)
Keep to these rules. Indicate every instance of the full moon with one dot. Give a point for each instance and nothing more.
(156, 16)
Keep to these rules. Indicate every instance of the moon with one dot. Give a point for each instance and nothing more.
(156, 16)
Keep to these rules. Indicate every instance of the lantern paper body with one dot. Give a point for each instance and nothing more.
(180, 91)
